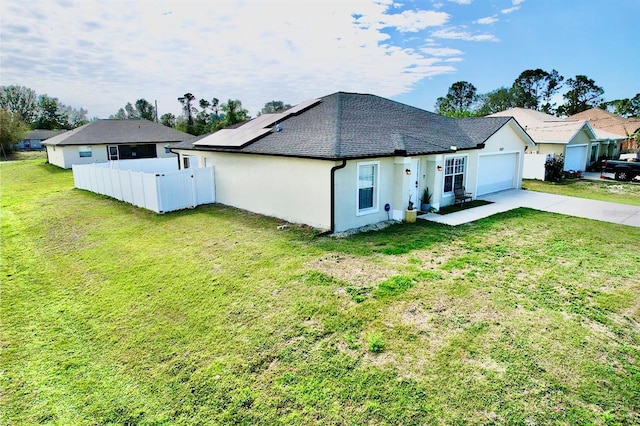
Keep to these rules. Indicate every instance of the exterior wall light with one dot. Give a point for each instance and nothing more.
(439, 168)
(407, 172)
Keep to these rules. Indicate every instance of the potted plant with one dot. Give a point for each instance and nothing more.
(411, 214)
(426, 200)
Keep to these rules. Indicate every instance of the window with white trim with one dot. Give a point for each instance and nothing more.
(453, 173)
(367, 187)
(84, 151)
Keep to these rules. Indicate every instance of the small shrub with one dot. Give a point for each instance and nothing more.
(553, 169)
(375, 343)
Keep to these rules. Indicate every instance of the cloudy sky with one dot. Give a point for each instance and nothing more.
(102, 54)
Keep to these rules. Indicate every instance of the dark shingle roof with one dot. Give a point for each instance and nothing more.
(42, 134)
(351, 125)
(118, 132)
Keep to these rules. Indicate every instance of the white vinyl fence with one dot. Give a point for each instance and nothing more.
(155, 184)
(533, 167)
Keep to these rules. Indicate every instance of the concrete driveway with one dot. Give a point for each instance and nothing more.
(608, 177)
(572, 206)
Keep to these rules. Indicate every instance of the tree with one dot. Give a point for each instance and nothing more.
(583, 95)
(75, 117)
(215, 106)
(50, 114)
(274, 106)
(458, 101)
(19, 100)
(234, 113)
(626, 107)
(533, 89)
(143, 110)
(186, 106)
(12, 130)
(496, 101)
(120, 115)
(168, 120)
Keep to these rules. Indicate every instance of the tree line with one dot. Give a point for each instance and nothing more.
(534, 89)
(40, 111)
(22, 109)
(208, 116)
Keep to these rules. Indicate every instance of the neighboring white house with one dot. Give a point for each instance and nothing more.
(104, 140)
(348, 160)
(575, 140)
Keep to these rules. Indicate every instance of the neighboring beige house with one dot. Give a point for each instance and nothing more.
(348, 160)
(576, 140)
(601, 120)
(104, 140)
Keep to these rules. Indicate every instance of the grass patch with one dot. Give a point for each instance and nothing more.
(616, 192)
(375, 342)
(25, 155)
(115, 315)
(464, 206)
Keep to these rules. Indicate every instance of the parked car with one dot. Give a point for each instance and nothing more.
(624, 170)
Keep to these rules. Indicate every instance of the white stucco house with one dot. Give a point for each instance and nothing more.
(575, 140)
(348, 160)
(107, 140)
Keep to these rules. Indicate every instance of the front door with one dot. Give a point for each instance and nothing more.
(113, 153)
(414, 184)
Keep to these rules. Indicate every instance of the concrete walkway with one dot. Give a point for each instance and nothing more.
(508, 200)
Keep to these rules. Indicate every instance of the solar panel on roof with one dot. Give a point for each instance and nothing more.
(252, 130)
(302, 106)
(232, 137)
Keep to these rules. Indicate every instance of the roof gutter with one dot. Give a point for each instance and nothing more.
(333, 198)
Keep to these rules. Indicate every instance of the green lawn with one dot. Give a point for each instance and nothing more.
(617, 192)
(115, 315)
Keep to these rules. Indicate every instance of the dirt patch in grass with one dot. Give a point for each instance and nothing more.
(356, 271)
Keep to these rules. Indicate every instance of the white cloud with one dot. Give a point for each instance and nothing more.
(510, 9)
(96, 55)
(441, 51)
(461, 1)
(413, 21)
(487, 21)
(462, 35)
(515, 6)
(407, 21)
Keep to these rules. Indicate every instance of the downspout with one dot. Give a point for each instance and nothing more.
(333, 198)
(333, 193)
(177, 156)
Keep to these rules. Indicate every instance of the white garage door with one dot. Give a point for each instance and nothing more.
(497, 172)
(575, 158)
